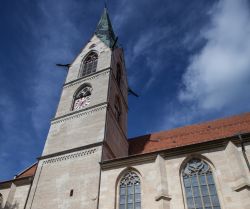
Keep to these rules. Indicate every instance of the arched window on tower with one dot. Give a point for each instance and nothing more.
(82, 97)
(130, 191)
(199, 185)
(118, 74)
(117, 110)
(89, 64)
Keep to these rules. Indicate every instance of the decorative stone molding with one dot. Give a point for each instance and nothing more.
(88, 78)
(70, 156)
(241, 184)
(79, 113)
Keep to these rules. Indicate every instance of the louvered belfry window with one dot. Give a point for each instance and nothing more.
(130, 191)
(89, 64)
(118, 75)
(117, 111)
(199, 185)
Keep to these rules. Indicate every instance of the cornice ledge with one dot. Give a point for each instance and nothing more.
(85, 147)
(165, 197)
(242, 186)
(109, 164)
(87, 78)
(80, 113)
(70, 156)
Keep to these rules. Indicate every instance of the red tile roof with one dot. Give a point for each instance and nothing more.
(30, 171)
(193, 134)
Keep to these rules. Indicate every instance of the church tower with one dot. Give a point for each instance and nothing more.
(90, 125)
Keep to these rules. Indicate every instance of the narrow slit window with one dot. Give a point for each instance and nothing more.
(118, 75)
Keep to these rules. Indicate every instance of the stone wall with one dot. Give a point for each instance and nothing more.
(67, 181)
(104, 58)
(163, 189)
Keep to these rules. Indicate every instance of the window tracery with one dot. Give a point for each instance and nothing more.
(199, 185)
(130, 191)
(89, 64)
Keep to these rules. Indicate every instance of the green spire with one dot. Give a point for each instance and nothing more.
(104, 29)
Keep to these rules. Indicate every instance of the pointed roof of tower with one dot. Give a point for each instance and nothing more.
(104, 29)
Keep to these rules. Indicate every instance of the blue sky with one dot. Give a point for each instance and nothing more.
(188, 60)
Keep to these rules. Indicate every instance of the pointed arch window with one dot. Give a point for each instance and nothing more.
(118, 74)
(130, 191)
(89, 64)
(199, 185)
(82, 97)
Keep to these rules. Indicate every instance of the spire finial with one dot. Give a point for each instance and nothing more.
(104, 29)
(105, 4)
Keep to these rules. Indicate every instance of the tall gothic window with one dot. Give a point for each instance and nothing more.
(130, 191)
(118, 75)
(199, 185)
(89, 64)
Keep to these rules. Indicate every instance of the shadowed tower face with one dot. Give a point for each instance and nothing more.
(90, 126)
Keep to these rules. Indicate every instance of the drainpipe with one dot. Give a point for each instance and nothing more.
(244, 151)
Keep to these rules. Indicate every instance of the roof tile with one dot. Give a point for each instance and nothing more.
(193, 134)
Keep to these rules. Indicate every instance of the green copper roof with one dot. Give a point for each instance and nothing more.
(104, 29)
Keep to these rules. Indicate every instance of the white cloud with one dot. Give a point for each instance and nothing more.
(148, 40)
(219, 75)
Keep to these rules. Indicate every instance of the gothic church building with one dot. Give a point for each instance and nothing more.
(89, 163)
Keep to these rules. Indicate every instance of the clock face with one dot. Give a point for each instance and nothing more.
(81, 103)
(82, 98)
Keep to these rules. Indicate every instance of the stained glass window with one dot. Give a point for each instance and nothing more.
(130, 191)
(89, 64)
(199, 185)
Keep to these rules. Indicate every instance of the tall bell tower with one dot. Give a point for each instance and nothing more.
(90, 126)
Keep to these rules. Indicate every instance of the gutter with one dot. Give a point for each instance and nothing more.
(243, 149)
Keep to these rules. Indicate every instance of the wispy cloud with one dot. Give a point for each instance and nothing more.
(51, 50)
(219, 74)
(124, 10)
(145, 46)
(217, 79)
(29, 102)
